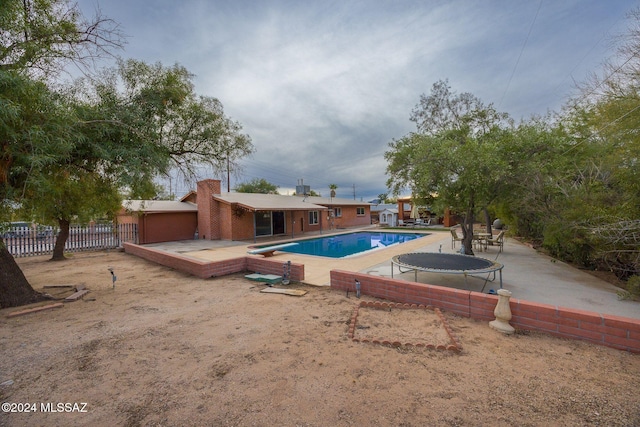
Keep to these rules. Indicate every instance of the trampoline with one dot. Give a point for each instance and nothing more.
(432, 262)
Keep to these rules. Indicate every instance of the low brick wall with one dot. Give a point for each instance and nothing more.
(270, 266)
(205, 269)
(608, 330)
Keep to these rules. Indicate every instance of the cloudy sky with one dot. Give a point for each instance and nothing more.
(322, 87)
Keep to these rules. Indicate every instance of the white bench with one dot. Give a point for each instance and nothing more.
(269, 250)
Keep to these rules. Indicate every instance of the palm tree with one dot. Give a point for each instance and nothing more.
(333, 188)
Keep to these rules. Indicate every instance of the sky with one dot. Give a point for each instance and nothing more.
(322, 87)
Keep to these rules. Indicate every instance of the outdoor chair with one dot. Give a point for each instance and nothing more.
(498, 240)
(454, 238)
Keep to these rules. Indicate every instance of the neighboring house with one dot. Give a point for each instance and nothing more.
(343, 213)
(214, 215)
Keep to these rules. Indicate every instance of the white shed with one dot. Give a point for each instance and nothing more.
(389, 217)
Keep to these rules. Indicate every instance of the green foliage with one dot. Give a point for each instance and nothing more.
(568, 243)
(257, 185)
(149, 120)
(69, 155)
(34, 133)
(453, 160)
(71, 195)
(633, 288)
(41, 36)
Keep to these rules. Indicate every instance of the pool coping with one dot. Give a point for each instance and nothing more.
(316, 268)
(252, 249)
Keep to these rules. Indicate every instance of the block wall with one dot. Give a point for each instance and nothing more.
(608, 330)
(205, 269)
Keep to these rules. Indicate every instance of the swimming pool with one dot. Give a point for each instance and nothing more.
(343, 245)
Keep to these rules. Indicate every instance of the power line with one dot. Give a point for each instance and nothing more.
(520, 55)
(602, 128)
(589, 52)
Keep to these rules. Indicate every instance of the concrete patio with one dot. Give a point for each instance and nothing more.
(528, 274)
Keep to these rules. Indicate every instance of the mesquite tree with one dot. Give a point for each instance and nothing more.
(452, 155)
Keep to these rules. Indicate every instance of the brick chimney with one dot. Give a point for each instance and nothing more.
(208, 212)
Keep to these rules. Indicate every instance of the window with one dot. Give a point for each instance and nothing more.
(263, 224)
(338, 212)
(313, 217)
(360, 211)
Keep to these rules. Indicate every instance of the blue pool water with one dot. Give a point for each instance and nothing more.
(344, 245)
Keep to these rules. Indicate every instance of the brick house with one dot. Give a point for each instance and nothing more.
(160, 220)
(213, 215)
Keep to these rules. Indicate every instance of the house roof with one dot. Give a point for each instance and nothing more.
(269, 202)
(251, 201)
(335, 201)
(392, 210)
(151, 206)
(381, 207)
(189, 197)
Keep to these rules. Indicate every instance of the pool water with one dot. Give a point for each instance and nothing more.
(343, 245)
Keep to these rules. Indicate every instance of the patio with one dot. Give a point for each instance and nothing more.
(528, 274)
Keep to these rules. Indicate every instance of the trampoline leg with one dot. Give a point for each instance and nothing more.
(500, 279)
(392, 270)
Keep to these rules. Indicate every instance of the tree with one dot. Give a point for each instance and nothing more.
(257, 185)
(133, 122)
(68, 155)
(332, 189)
(71, 194)
(453, 154)
(38, 38)
(383, 198)
(34, 136)
(530, 197)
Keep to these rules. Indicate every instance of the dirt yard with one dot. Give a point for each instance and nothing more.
(167, 349)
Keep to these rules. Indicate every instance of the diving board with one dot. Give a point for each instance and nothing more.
(269, 250)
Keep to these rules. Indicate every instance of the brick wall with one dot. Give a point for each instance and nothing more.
(612, 331)
(205, 269)
(350, 217)
(167, 227)
(269, 266)
(208, 215)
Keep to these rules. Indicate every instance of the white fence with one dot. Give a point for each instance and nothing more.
(81, 238)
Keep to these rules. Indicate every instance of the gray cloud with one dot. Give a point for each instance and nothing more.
(323, 87)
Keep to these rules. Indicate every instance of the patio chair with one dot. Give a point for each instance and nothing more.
(454, 238)
(498, 240)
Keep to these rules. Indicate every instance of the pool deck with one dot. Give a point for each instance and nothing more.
(528, 274)
(316, 269)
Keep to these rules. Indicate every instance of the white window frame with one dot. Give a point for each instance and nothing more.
(360, 209)
(313, 217)
(337, 212)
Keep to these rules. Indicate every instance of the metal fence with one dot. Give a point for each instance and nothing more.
(81, 238)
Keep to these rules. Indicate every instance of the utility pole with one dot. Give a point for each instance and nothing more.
(354, 191)
(228, 178)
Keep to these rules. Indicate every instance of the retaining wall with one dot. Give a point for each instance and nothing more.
(205, 269)
(608, 330)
